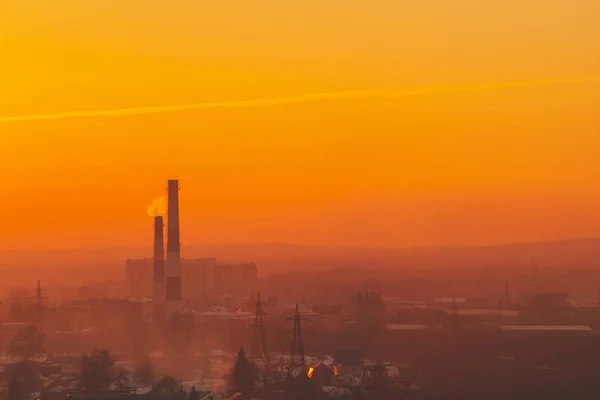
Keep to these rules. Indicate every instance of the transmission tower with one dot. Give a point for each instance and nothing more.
(39, 302)
(454, 313)
(38, 293)
(297, 363)
(260, 354)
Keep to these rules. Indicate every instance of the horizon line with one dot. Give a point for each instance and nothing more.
(323, 246)
(264, 102)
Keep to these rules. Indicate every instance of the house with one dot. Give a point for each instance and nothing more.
(320, 373)
(349, 362)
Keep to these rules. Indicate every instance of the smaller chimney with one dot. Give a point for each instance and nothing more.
(158, 292)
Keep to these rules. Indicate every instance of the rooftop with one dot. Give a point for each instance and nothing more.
(349, 357)
(556, 328)
(449, 300)
(406, 327)
(486, 312)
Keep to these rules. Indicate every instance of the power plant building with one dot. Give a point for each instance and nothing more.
(139, 277)
(199, 277)
(240, 279)
(168, 281)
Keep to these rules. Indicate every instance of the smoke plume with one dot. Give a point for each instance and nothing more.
(157, 207)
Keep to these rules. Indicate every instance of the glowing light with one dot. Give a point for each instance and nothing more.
(310, 372)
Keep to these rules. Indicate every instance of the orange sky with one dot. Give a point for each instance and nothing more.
(454, 167)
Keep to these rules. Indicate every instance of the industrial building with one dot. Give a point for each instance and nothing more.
(199, 277)
(171, 280)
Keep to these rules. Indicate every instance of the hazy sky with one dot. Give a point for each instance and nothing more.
(464, 167)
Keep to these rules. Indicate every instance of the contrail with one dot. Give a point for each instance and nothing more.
(286, 100)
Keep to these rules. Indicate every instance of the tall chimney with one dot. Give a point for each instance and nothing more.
(173, 248)
(158, 292)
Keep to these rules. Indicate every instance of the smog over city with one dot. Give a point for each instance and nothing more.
(299, 200)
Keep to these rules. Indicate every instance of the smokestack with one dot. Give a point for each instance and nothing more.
(158, 293)
(173, 292)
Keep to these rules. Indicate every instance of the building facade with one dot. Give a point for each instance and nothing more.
(200, 277)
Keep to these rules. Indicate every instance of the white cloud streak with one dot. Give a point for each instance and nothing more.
(264, 102)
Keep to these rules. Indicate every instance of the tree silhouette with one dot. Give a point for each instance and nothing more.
(302, 387)
(14, 390)
(121, 378)
(97, 371)
(27, 342)
(180, 394)
(193, 394)
(144, 374)
(25, 374)
(167, 386)
(380, 385)
(243, 376)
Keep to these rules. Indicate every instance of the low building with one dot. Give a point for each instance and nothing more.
(321, 374)
(547, 330)
(548, 344)
(349, 362)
